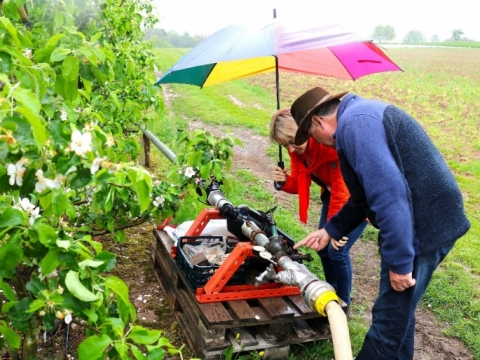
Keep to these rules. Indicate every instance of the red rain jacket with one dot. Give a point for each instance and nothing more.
(322, 162)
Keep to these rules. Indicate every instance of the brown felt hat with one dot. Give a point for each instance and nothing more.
(305, 107)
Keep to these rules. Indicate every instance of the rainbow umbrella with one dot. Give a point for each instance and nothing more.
(242, 50)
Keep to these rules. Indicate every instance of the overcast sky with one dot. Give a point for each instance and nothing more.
(431, 17)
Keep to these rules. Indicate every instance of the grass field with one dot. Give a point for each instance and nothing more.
(439, 87)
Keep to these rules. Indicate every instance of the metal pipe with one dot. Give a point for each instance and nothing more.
(161, 146)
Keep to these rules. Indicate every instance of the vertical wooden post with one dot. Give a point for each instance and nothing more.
(146, 150)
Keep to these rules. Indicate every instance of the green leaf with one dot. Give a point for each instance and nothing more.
(70, 67)
(53, 40)
(11, 217)
(137, 353)
(125, 309)
(35, 286)
(155, 353)
(140, 335)
(50, 261)
(118, 287)
(7, 25)
(12, 338)
(143, 187)
(18, 313)
(7, 291)
(71, 90)
(77, 288)
(64, 244)
(21, 128)
(36, 304)
(59, 54)
(43, 55)
(122, 350)
(59, 203)
(93, 347)
(120, 236)
(37, 123)
(59, 19)
(46, 234)
(88, 53)
(27, 98)
(5, 62)
(11, 253)
(92, 315)
(109, 260)
(83, 178)
(90, 263)
(118, 326)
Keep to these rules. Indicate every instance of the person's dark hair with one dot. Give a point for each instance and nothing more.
(328, 108)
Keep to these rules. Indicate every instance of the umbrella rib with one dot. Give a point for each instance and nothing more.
(340, 61)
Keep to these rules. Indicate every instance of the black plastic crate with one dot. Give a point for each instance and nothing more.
(198, 275)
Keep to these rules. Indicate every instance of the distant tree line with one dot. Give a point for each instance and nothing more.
(162, 38)
(386, 33)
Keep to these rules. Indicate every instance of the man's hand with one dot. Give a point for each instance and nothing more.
(400, 282)
(316, 241)
(337, 244)
(279, 175)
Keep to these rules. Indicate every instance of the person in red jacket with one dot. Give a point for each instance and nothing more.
(315, 162)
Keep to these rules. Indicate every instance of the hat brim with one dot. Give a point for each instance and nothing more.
(301, 136)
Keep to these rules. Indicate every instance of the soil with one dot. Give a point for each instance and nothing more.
(135, 268)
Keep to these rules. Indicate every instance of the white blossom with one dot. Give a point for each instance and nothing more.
(189, 172)
(97, 162)
(30, 209)
(68, 319)
(34, 215)
(16, 172)
(63, 115)
(81, 142)
(159, 201)
(45, 183)
(42, 277)
(28, 53)
(26, 205)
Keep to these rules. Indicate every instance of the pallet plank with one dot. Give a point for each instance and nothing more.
(242, 336)
(276, 307)
(215, 313)
(302, 329)
(241, 309)
(301, 305)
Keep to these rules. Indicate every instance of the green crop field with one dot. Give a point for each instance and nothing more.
(439, 87)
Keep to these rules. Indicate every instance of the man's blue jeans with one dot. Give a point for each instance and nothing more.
(337, 265)
(391, 335)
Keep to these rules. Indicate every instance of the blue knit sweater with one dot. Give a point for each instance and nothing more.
(398, 180)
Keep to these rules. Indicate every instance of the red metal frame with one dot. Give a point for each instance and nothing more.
(215, 289)
(201, 221)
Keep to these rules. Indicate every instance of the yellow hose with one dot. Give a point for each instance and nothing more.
(337, 319)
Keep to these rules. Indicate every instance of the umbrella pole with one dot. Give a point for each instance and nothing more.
(277, 85)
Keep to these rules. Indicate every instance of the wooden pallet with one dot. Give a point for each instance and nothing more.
(269, 324)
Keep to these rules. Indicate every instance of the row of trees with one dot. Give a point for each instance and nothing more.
(162, 38)
(385, 33)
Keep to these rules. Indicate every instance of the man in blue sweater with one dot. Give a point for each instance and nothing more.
(401, 183)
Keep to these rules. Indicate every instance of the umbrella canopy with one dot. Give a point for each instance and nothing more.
(241, 50)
